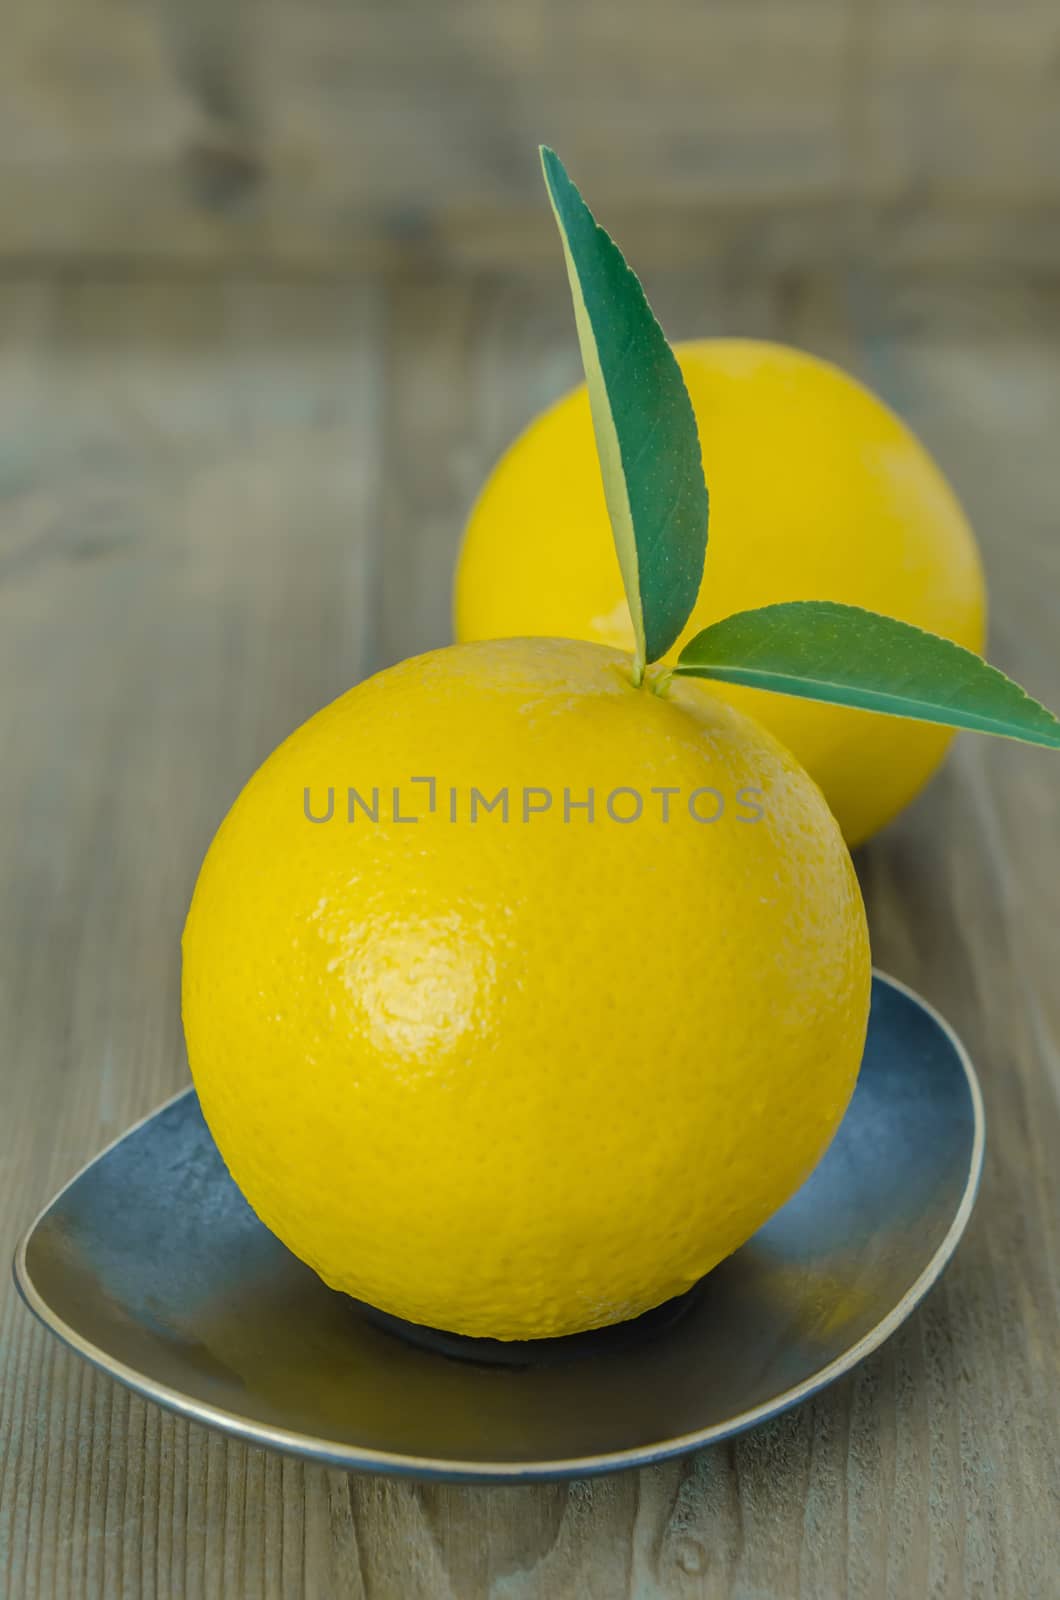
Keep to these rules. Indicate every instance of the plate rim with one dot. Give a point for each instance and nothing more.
(397, 1464)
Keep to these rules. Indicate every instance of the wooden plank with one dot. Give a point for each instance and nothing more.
(941, 83)
(195, 480)
(963, 903)
(206, 132)
(189, 486)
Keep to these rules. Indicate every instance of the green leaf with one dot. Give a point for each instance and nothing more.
(645, 427)
(852, 657)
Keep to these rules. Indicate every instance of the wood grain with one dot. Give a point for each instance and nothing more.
(304, 135)
(221, 503)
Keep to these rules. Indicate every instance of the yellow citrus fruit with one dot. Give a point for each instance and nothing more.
(528, 1070)
(818, 492)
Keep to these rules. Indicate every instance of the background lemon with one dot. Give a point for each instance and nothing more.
(524, 1078)
(818, 492)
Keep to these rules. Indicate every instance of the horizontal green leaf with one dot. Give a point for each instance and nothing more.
(645, 427)
(852, 657)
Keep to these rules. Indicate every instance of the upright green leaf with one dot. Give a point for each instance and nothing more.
(645, 427)
(852, 657)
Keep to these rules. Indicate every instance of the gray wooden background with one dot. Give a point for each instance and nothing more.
(309, 133)
(277, 282)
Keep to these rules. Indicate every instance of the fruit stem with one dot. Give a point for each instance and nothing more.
(638, 671)
(661, 684)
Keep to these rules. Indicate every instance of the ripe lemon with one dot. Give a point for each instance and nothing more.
(524, 1071)
(818, 492)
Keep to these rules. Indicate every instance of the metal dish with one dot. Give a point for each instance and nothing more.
(150, 1265)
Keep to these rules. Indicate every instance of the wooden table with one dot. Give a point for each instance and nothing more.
(221, 502)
